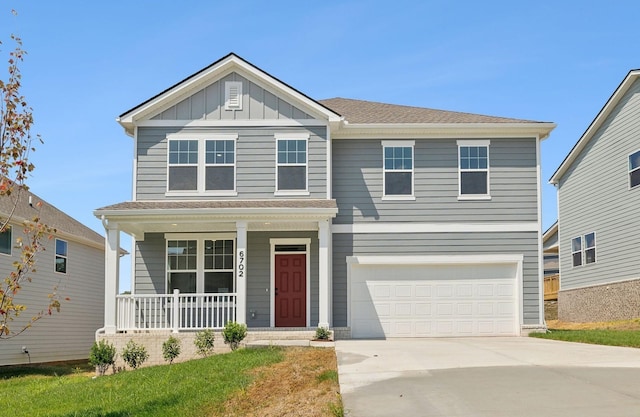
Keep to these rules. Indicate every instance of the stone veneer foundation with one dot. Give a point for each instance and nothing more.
(607, 302)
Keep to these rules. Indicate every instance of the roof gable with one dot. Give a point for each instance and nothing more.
(595, 125)
(225, 66)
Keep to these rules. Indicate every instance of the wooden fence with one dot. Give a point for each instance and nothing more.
(551, 286)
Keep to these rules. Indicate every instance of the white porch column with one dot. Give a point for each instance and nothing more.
(324, 298)
(241, 272)
(111, 276)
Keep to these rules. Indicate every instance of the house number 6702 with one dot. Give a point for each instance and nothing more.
(241, 264)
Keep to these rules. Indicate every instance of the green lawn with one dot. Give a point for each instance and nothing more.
(193, 388)
(629, 338)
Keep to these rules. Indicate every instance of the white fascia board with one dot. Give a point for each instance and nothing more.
(508, 258)
(397, 227)
(175, 214)
(233, 123)
(595, 125)
(443, 130)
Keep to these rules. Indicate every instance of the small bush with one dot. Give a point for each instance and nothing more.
(204, 342)
(171, 349)
(102, 355)
(322, 333)
(234, 333)
(134, 354)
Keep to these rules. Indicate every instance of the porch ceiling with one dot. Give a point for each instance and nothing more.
(139, 217)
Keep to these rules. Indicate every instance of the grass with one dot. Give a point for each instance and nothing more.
(628, 338)
(248, 382)
(194, 388)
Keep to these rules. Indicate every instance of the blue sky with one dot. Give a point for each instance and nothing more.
(89, 61)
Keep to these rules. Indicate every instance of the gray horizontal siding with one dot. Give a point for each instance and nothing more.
(525, 243)
(208, 104)
(69, 334)
(255, 161)
(358, 177)
(594, 196)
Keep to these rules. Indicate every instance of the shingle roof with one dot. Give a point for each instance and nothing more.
(48, 214)
(221, 204)
(360, 111)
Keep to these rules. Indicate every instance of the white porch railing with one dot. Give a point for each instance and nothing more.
(174, 311)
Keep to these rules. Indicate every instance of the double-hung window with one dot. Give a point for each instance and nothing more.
(473, 165)
(291, 163)
(199, 264)
(61, 256)
(583, 249)
(5, 241)
(398, 170)
(634, 169)
(201, 164)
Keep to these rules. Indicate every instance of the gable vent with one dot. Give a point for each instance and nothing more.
(233, 95)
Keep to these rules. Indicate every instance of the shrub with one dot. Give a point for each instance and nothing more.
(204, 342)
(102, 355)
(171, 349)
(323, 333)
(233, 333)
(134, 354)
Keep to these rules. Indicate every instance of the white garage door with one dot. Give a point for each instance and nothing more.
(434, 300)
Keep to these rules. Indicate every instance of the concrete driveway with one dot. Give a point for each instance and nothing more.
(488, 377)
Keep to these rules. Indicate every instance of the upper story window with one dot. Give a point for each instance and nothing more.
(473, 165)
(291, 164)
(398, 170)
(583, 249)
(201, 164)
(199, 264)
(634, 169)
(6, 241)
(61, 256)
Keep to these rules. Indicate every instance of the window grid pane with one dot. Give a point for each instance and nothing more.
(398, 158)
(183, 152)
(220, 152)
(292, 151)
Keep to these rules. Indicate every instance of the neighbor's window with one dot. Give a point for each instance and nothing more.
(398, 168)
(634, 169)
(576, 250)
(61, 256)
(291, 161)
(182, 256)
(204, 164)
(590, 248)
(473, 159)
(6, 241)
(218, 266)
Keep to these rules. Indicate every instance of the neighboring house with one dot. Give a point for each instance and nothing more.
(551, 262)
(72, 262)
(598, 199)
(262, 205)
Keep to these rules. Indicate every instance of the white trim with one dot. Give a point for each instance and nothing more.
(474, 142)
(329, 163)
(301, 136)
(473, 197)
(272, 301)
(408, 227)
(233, 123)
(541, 318)
(134, 179)
(479, 259)
(399, 197)
(399, 143)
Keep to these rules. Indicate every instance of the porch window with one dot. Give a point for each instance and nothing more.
(634, 169)
(182, 256)
(473, 165)
(291, 164)
(398, 169)
(5, 241)
(61, 256)
(218, 266)
(200, 164)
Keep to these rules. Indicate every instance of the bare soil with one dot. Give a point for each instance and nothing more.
(304, 384)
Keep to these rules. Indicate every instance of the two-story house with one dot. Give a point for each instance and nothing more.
(256, 203)
(598, 187)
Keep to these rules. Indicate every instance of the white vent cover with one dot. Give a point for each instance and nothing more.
(233, 95)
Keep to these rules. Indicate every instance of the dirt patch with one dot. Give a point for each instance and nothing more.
(304, 384)
(551, 310)
(633, 324)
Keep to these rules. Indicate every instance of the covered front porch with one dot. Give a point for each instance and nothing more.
(201, 264)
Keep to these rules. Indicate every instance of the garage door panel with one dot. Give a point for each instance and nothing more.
(428, 301)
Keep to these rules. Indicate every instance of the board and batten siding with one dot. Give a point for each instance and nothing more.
(208, 104)
(594, 196)
(427, 244)
(255, 161)
(66, 335)
(358, 177)
(151, 277)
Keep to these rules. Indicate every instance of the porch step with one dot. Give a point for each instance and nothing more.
(290, 342)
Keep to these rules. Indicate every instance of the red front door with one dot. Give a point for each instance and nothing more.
(291, 290)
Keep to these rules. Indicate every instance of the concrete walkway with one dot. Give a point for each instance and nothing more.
(487, 377)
